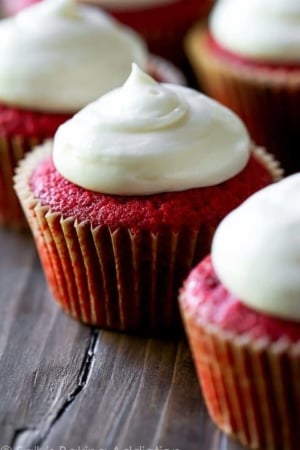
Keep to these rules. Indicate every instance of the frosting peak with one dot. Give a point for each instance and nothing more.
(146, 138)
(256, 250)
(266, 30)
(141, 104)
(59, 56)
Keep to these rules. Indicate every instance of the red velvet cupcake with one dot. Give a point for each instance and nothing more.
(51, 66)
(241, 311)
(129, 201)
(249, 59)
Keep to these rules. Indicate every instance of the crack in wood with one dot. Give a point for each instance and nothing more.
(33, 437)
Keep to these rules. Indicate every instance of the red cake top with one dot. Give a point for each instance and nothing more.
(208, 300)
(176, 209)
(29, 124)
(239, 60)
(25, 123)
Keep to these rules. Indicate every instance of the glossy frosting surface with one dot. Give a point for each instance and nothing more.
(256, 250)
(146, 138)
(265, 30)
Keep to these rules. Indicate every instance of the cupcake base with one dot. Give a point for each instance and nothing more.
(115, 279)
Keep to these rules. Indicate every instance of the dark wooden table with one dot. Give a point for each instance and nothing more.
(66, 386)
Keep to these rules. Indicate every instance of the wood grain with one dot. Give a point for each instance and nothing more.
(65, 385)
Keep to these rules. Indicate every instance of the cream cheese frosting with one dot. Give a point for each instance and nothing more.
(267, 30)
(256, 250)
(59, 56)
(146, 138)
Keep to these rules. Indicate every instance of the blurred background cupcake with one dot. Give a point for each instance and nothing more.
(162, 23)
(11, 7)
(249, 59)
(56, 57)
(241, 310)
(138, 182)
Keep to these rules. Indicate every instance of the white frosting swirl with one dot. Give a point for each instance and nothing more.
(147, 137)
(267, 30)
(60, 56)
(256, 250)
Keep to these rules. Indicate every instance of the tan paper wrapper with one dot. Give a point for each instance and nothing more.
(251, 387)
(11, 151)
(116, 280)
(268, 101)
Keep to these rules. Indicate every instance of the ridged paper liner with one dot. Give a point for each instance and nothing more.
(268, 161)
(114, 279)
(267, 100)
(11, 151)
(251, 386)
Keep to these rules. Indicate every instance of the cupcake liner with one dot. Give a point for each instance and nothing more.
(267, 100)
(101, 278)
(251, 387)
(11, 151)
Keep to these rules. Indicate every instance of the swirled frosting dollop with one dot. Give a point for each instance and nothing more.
(60, 56)
(265, 30)
(256, 250)
(147, 137)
